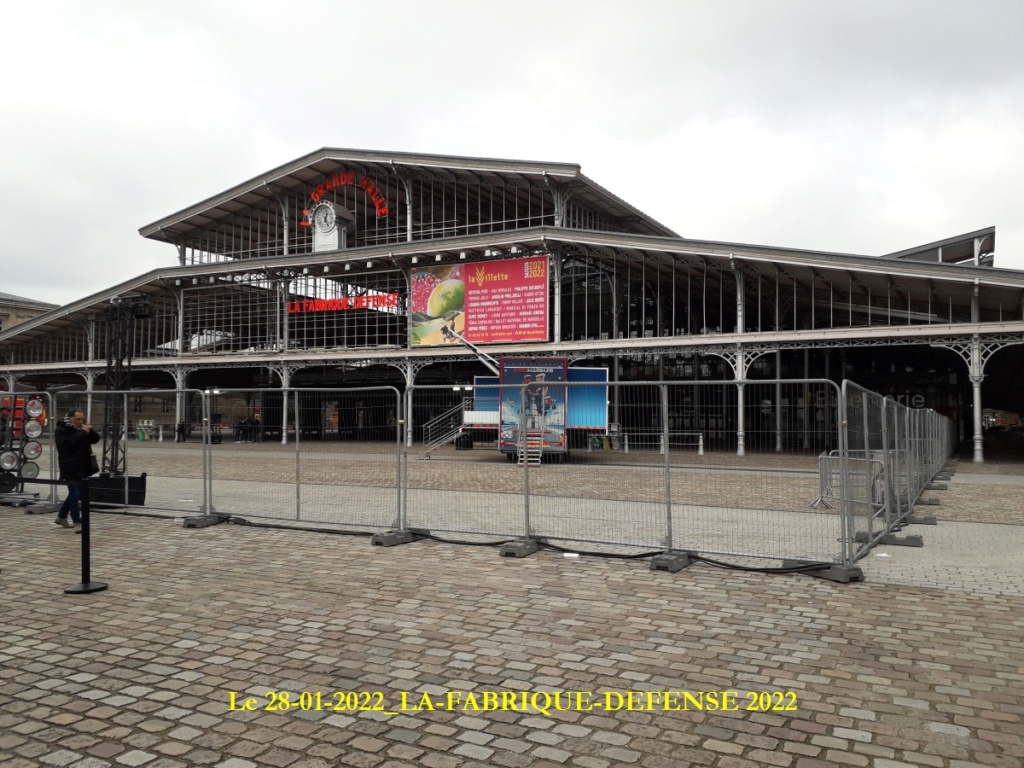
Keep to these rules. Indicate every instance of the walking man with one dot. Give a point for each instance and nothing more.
(75, 438)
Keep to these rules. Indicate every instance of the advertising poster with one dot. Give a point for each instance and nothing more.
(532, 400)
(485, 302)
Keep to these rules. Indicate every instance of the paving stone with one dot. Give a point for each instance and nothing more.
(890, 673)
(135, 757)
(60, 758)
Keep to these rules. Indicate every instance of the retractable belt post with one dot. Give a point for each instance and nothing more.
(86, 585)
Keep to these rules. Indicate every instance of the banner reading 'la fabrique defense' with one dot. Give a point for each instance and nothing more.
(484, 302)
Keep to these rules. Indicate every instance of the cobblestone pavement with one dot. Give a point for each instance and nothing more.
(921, 665)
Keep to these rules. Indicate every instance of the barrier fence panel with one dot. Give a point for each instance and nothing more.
(766, 499)
(349, 470)
(456, 479)
(866, 461)
(790, 417)
(153, 470)
(606, 482)
(794, 470)
(899, 497)
(651, 465)
(324, 456)
(893, 453)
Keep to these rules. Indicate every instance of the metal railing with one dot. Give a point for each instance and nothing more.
(442, 429)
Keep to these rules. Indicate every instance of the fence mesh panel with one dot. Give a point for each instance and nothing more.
(761, 500)
(649, 465)
(175, 478)
(325, 456)
(777, 470)
(457, 481)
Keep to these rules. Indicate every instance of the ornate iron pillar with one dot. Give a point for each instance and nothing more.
(282, 200)
(181, 322)
(409, 369)
(407, 183)
(739, 359)
(180, 380)
(778, 401)
(284, 372)
(741, 364)
(741, 324)
(741, 371)
(282, 313)
(561, 198)
(803, 407)
(976, 354)
(410, 379)
(557, 329)
(976, 366)
(90, 386)
(90, 334)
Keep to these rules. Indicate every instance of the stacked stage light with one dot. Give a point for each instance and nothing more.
(19, 448)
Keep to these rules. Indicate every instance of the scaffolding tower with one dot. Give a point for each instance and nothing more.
(121, 314)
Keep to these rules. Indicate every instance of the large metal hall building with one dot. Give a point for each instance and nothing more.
(349, 267)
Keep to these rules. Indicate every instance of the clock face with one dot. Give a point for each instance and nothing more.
(323, 218)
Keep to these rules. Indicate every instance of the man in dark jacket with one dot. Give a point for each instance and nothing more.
(75, 438)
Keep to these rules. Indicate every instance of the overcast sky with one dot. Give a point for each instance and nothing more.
(859, 127)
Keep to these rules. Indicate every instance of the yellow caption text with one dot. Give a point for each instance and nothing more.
(541, 702)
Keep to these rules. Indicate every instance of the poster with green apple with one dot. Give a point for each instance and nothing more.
(438, 301)
(483, 302)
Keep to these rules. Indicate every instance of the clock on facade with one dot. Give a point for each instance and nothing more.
(324, 218)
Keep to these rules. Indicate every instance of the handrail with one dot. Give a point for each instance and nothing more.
(442, 429)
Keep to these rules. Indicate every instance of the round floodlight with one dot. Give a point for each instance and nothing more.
(34, 408)
(8, 460)
(32, 450)
(30, 470)
(33, 428)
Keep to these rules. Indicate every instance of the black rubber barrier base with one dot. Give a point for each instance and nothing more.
(670, 561)
(85, 588)
(837, 573)
(394, 538)
(519, 548)
(204, 521)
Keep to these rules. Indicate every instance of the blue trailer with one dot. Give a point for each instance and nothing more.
(566, 416)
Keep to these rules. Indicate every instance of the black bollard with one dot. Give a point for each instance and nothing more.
(86, 586)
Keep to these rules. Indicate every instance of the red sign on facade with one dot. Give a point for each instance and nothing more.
(369, 301)
(348, 179)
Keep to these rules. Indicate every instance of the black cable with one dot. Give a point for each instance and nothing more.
(802, 568)
(432, 537)
(609, 555)
(231, 519)
(126, 513)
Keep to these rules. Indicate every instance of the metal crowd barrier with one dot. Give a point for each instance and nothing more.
(796, 471)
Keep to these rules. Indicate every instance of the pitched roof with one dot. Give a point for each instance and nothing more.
(309, 168)
(7, 298)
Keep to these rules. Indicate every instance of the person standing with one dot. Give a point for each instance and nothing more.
(74, 437)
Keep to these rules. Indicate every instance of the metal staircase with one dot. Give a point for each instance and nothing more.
(442, 430)
(531, 448)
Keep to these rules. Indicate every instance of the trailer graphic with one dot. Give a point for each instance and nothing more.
(569, 415)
